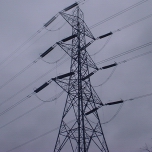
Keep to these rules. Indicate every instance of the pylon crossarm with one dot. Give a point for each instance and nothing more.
(64, 10)
(88, 44)
(68, 48)
(110, 103)
(62, 81)
(63, 76)
(71, 19)
(102, 68)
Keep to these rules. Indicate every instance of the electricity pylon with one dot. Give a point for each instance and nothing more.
(84, 133)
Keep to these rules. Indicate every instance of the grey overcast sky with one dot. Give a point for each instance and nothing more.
(19, 19)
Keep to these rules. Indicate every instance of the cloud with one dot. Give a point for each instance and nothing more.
(20, 19)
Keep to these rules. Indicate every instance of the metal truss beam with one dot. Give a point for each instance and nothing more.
(85, 133)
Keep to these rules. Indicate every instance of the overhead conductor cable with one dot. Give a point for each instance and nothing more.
(27, 97)
(119, 13)
(32, 83)
(28, 66)
(34, 108)
(126, 52)
(89, 43)
(45, 25)
(34, 35)
(118, 102)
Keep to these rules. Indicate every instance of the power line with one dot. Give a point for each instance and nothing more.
(103, 46)
(114, 69)
(32, 44)
(124, 61)
(28, 141)
(139, 97)
(35, 34)
(122, 28)
(117, 102)
(56, 60)
(126, 26)
(19, 102)
(135, 57)
(124, 53)
(38, 90)
(119, 13)
(16, 104)
(34, 81)
(23, 70)
(51, 99)
(24, 50)
(114, 65)
(39, 105)
(48, 51)
(40, 136)
(53, 30)
(33, 139)
(133, 23)
(22, 45)
(114, 114)
(27, 97)
(122, 101)
(27, 67)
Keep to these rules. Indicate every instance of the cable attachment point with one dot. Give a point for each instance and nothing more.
(42, 86)
(89, 75)
(113, 103)
(70, 7)
(109, 66)
(91, 111)
(69, 38)
(48, 51)
(63, 76)
(51, 20)
(30, 95)
(105, 35)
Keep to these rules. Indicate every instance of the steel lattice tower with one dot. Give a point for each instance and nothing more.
(84, 133)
